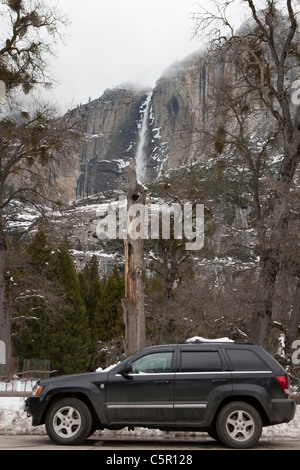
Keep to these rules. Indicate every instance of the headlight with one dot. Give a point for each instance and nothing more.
(37, 390)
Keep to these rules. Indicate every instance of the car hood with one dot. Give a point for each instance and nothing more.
(75, 379)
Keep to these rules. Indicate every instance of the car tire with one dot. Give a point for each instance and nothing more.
(239, 425)
(68, 422)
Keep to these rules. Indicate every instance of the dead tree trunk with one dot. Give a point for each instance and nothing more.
(134, 301)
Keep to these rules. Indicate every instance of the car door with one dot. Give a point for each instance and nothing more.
(201, 375)
(145, 395)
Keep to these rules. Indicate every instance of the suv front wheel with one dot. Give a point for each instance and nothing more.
(68, 421)
(239, 425)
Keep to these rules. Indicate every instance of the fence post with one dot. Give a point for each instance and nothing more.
(13, 373)
(26, 374)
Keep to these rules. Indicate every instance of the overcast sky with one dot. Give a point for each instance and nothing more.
(110, 42)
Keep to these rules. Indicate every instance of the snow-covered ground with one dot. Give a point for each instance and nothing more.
(13, 421)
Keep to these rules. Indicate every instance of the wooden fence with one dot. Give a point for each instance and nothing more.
(19, 383)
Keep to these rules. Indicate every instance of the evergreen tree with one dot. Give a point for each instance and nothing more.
(84, 287)
(91, 270)
(91, 290)
(102, 299)
(109, 312)
(49, 320)
(39, 250)
(35, 300)
(73, 335)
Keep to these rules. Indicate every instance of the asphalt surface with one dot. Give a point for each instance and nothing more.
(176, 445)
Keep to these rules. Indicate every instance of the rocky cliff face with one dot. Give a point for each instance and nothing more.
(163, 123)
(179, 107)
(110, 126)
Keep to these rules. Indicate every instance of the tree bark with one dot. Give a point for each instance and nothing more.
(262, 319)
(134, 301)
(293, 328)
(271, 257)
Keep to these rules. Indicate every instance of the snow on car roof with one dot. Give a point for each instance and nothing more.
(199, 339)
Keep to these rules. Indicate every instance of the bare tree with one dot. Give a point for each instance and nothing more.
(264, 56)
(30, 29)
(34, 143)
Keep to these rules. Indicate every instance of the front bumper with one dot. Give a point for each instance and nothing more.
(35, 407)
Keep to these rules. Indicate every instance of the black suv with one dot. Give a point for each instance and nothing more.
(228, 389)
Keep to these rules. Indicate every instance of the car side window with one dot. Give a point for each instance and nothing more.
(200, 361)
(246, 360)
(156, 363)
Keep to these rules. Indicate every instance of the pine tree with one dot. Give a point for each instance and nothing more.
(102, 298)
(109, 312)
(39, 250)
(74, 333)
(36, 300)
(50, 320)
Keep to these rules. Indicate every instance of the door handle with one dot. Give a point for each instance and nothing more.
(161, 382)
(219, 381)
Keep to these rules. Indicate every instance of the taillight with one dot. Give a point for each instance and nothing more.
(284, 383)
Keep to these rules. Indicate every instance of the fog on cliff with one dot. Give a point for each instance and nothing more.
(111, 42)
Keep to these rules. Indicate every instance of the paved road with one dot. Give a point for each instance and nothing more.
(41, 442)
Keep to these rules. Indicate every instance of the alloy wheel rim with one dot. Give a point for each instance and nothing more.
(67, 422)
(240, 425)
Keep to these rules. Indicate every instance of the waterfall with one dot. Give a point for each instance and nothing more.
(140, 159)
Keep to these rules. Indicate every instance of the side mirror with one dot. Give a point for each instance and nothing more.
(125, 370)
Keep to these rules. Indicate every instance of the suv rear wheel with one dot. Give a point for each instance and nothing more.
(239, 425)
(68, 421)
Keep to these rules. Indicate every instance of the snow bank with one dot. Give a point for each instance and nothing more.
(13, 419)
(291, 429)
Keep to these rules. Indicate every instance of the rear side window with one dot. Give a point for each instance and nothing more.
(200, 361)
(246, 360)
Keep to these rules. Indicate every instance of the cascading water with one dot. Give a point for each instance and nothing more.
(140, 159)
